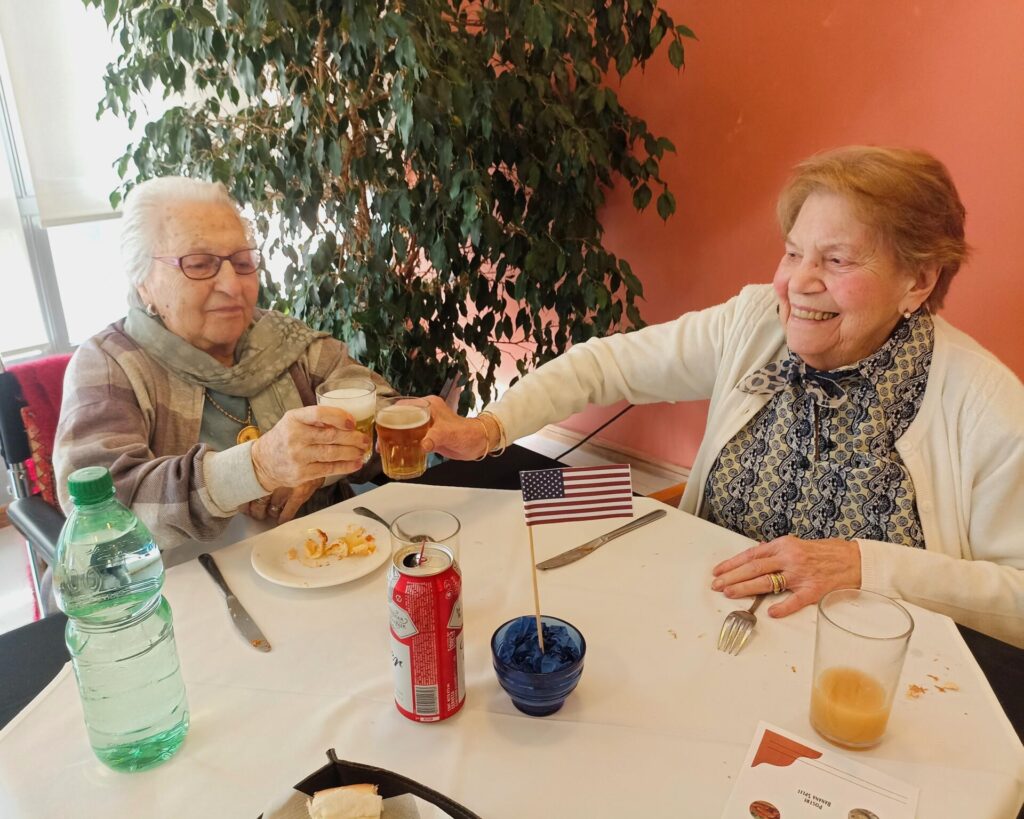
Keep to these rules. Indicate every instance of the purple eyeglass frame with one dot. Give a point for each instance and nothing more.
(175, 261)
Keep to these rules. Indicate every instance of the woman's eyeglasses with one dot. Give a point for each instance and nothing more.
(200, 266)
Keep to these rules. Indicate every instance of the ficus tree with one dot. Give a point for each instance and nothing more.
(432, 171)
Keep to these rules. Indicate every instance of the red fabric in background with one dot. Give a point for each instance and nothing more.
(42, 387)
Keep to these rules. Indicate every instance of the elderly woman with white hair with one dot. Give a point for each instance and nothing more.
(201, 405)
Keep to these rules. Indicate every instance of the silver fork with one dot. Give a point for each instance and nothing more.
(737, 627)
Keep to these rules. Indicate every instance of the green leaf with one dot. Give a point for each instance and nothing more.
(666, 205)
(110, 9)
(203, 17)
(642, 197)
(334, 157)
(675, 54)
(625, 59)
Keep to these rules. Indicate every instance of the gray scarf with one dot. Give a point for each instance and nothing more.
(263, 356)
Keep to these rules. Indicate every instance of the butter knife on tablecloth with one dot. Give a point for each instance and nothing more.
(243, 622)
(582, 551)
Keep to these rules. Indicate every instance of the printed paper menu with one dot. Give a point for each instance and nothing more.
(785, 777)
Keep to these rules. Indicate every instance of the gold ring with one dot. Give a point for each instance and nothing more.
(778, 580)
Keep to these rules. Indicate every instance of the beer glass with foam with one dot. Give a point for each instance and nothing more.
(861, 643)
(358, 397)
(402, 422)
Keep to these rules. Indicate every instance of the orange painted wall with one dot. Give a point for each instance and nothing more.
(770, 83)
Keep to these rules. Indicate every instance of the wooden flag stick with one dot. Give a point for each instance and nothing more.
(536, 594)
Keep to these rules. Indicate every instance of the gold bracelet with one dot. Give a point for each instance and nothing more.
(487, 447)
(497, 430)
(502, 443)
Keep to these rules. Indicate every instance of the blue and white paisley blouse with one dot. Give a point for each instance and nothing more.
(818, 460)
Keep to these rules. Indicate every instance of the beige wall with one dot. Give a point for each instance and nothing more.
(769, 83)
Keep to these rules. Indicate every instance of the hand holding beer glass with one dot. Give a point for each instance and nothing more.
(402, 421)
(358, 397)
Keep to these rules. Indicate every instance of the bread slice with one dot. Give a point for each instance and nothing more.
(347, 802)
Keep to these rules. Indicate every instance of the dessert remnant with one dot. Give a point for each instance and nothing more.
(319, 548)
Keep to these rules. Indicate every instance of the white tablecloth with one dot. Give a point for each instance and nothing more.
(658, 726)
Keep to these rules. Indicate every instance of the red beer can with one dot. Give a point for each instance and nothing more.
(425, 606)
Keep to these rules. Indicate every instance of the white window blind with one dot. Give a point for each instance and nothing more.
(57, 52)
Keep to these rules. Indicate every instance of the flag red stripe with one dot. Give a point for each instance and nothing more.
(618, 486)
(621, 469)
(548, 513)
(529, 522)
(616, 499)
(613, 503)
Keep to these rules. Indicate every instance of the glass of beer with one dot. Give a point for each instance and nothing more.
(861, 643)
(402, 421)
(358, 397)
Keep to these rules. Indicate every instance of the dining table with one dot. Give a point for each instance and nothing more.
(658, 726)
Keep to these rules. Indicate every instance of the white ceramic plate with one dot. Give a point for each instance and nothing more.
(270, 552)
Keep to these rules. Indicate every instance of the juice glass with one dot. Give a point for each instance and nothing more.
(861, 643)
(358, 397)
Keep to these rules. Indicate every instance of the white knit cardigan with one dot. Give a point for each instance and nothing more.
(964, 450)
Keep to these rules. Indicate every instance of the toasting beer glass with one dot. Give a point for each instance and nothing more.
(358, 397)
(402, 422)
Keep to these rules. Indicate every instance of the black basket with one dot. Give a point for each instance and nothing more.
(338, 772)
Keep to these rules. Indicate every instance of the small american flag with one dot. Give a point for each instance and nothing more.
(577, 493)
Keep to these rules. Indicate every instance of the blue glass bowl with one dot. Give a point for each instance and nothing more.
(539, 694)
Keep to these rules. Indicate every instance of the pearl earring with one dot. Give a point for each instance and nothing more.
(907, 314)
(151, 311)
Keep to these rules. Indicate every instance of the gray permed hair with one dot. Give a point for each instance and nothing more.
(143, 220)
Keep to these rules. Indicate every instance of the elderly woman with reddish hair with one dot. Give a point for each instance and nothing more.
(857, 436)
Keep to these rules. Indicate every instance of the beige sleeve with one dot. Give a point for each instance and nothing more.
(231, 479)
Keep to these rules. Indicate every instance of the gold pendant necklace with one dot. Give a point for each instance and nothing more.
(249, 431)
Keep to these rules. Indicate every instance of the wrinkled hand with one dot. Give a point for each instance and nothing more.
(308, 444)
(453, 436)
(284, 503)
(812, 569)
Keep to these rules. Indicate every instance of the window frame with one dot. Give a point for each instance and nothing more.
(37, 243)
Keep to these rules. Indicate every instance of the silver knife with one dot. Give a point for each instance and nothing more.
(243, 622)
(573, 555)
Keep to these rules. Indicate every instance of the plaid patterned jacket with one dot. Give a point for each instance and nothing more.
(122, 410)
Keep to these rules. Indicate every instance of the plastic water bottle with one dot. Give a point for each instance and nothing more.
(108, 580)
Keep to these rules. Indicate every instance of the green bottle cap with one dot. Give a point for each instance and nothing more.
(90, 484)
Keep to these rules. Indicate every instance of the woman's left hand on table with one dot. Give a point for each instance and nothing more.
(283, 504)
(812, 568)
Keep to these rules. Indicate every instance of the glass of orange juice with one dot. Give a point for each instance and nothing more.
(861, 643)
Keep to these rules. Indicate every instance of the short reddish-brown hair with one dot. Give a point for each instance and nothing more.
(905, 196)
